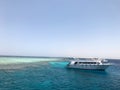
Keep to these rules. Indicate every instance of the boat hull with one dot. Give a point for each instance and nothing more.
(89, 67)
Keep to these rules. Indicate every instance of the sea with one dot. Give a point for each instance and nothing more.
(46, 73)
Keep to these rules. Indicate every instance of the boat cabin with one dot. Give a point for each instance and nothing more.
(78, 62)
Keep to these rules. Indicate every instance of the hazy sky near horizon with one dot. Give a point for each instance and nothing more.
(79, 28)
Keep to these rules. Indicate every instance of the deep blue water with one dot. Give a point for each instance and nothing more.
(53, 75)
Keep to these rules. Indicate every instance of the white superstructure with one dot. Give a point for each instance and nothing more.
(95, 64)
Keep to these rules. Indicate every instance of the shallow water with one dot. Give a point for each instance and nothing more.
(53, 75)
(17, 60)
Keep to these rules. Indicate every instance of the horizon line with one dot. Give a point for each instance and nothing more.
(49, 56)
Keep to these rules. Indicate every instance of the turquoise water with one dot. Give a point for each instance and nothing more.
(53, 75)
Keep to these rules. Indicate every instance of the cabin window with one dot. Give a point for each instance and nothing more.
(79, 62)
(85, 63)
(75, 62)
(93, 62)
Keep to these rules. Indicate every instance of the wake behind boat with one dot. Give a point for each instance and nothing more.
(90, 64)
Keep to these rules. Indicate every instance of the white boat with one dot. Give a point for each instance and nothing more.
(90, 64)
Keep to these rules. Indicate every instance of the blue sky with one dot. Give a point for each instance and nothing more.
(79, 28)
